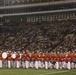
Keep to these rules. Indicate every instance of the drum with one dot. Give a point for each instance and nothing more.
(4, 55)
(13, 56)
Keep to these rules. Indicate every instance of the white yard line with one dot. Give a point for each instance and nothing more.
(53, 73)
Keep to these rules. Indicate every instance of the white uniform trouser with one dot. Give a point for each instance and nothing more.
(50, 65)
(46, 65)
(18, 64)
(57, 65)
(13, 63)
(60, 65)
(39, 64)
(9, 64)
(68, 65)
(72, 65)
(36, 64)
(64, 64)
(5, 63)
(23, 64)
(0, 63)
(42, 65)
(32, 64)
(75, 65)
(27, 64)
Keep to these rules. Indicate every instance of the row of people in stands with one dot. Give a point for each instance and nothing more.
(38, 38)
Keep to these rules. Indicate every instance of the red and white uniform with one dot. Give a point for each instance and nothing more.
(9, 60)
(32, 57)
(63, 61)
(17, 60)
(69, 63)
(27, 58)
(75, 62)
(60, 61)
(0, 60)
(23, 60)
(42, 57)
(72, 58)
(36, 60)
(50, 61)
(46, 61)
(57, 61)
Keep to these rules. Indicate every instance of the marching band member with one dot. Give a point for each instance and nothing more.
(64, 61)
(50, 61)
(0, 59)
(6, 61)
(53, 60)
(32, 59)
(60, 60)
(46, 61)
(23, 59)
(73, 60)
(18, 60)
(4, 57)
(57, 61)
(69, 63)
(9, 58)
(27, 59)
(69, 60)
(42, 56)
(13, 61)
(37, 60)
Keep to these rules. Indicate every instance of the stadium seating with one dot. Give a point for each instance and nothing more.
(50, 37)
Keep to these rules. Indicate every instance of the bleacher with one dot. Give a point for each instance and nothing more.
(42, 37)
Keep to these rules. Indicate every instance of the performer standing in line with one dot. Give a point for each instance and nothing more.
(50, 61)
(0, 59)
(69, 63)
(32, 59)
(60, 60)
(46, 60)
(9, 58)
(73, 60)
(42, 56)
(57, 61)
(69, 60)
(23, 59)
(17, 60)
(37, 60)
(64, 60)
(27, 58)
(13, 62)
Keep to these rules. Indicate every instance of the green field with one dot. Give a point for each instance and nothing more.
(5, 71)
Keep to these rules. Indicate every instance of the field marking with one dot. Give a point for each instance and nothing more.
(53, 73)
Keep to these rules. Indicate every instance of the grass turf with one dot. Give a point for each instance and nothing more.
(12, 71)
